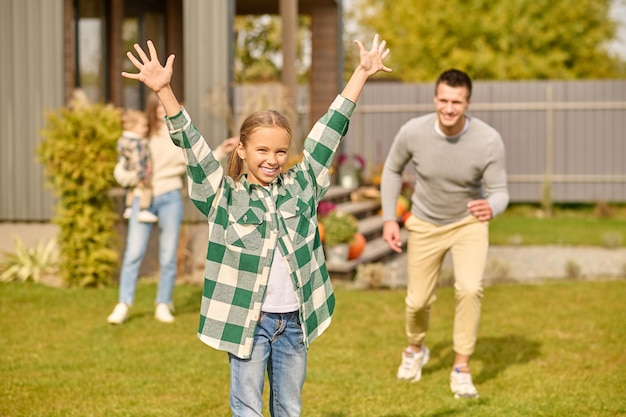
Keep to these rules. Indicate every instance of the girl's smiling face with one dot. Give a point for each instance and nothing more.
(265, 154)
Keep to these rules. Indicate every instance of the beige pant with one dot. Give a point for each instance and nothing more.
(468, 242)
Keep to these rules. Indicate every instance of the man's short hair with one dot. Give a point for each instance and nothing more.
(455, 78)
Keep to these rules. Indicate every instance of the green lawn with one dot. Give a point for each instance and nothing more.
(570, 225)
(551, 349)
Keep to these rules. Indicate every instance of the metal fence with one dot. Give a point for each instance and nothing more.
(567, 135)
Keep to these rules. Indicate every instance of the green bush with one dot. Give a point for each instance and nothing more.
(79, 155)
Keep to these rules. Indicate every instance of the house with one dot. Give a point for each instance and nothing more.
(52, 47)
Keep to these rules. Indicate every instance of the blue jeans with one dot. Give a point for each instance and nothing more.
(169, 208)
(279, 348)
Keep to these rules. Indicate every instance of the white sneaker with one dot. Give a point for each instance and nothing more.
(119, 314)
(163, 314)
(461, 385)
(128, 211)
(145, 216)
(411, 367)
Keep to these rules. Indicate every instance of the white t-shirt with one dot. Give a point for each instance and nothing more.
(280, 296)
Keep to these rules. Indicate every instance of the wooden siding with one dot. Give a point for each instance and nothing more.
(31, 33)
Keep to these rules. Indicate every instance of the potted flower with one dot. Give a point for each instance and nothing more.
(339, 231)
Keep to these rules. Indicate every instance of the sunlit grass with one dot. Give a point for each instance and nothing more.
(569, 225)
(553, 349)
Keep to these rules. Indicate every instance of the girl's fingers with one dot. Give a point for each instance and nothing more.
(382, 46)
(141, 53)
(386, 53)
(375, 42)
(130, 75)
(170, 61)
(134, 60)
(153, 52)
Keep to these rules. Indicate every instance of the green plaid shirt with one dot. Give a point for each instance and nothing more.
(246, 224)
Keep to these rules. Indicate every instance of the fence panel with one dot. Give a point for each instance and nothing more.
(568, 134)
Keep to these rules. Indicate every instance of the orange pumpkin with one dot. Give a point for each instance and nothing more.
(357, 246)
(405, 217)
(402, 206)
(322, 232)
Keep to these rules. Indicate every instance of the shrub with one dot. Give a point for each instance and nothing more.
(370, 275)
(572, 269)
(29, 264)
(499, 271)
(79, 155)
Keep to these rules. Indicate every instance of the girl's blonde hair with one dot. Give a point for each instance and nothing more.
(262, 118)
(154, 121)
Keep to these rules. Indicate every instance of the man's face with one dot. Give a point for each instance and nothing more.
(451, 104)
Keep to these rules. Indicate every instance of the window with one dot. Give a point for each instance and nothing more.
(90, 58)
(98, 36)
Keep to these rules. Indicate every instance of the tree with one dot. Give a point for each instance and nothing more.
(494, 39)
(258, 53)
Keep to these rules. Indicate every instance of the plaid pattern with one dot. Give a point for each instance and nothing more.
(247, 222)
(135, 153)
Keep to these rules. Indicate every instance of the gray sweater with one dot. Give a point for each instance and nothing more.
(450, 172)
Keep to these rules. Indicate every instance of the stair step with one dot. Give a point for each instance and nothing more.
(337, 194)
(360, 209)
(376, 250)
(370, 224)
(371, 227)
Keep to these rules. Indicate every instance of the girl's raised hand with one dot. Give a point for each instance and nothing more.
(154, 75)
(372, 60)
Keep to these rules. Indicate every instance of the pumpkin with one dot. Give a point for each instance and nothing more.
(322, 232)
(357, 246)
(402, 206)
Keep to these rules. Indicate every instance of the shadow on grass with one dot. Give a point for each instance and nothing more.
(442, 413)
(495, 354)
(191, 303)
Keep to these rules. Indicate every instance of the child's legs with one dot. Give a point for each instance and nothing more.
(145, 199)
(425, 252)
(469, 256)
(247, 377)
(279, 348)
(287, 365)
(130, 197)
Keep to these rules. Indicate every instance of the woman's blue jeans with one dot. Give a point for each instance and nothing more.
(169, 209)
(279, 348)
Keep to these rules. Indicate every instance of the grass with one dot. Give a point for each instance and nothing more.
(552, 349)
(599, 225)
